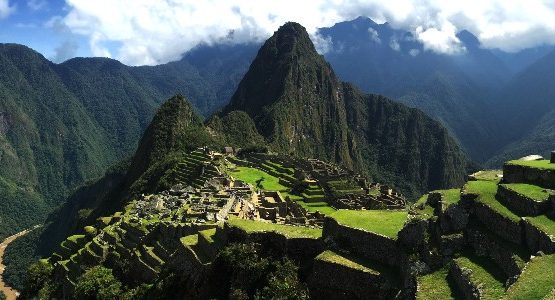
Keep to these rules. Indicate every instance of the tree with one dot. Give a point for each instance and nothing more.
(98, 283)
(284, 283)
(38, 276)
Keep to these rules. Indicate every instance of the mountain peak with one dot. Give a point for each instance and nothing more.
(468, 39)
(276, 66)
(166, 133)
(291, 38)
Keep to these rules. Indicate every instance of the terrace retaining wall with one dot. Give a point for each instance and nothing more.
(299, 249)
(485, 245)
(334, 281)
(537, 240)
(506, 228)
(367, 244)
(524, 174)
(520, 203)
(461, 277)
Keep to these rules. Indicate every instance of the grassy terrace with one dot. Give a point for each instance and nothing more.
(533, 192)
(262, 180)
(271, 183)
(332, 257)
(450, 196)
(486, 191)
(537, 164)
(287, 230)
(484, 274)
(322, 207)
(385, 222)
(362, 265)
(536, 281)
(344, 187)
(488, 175)
(436, 286)
(543, 223)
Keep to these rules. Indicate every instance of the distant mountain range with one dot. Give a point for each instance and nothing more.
(460, 90)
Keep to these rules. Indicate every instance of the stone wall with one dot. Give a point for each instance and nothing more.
(520, 203)
(367, 244)
(461, 278)
(537, 240)
(523, 174)
(335, 281)
(495, 222)
(486, 245)
(299, 249)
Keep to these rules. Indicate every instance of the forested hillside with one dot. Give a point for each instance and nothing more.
(64, 124)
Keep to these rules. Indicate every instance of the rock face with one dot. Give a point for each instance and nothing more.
(299, 106)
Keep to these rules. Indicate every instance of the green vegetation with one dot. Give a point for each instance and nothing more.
(322, 207)
(390, 148)
(436, 285)
(339, 187)
(451, 196)
(488, 175)
(98, 283)
(287, 230)
(485, 274)
(259, 179)
(19, 255)
(242, 271)
(487, 191)
(335, 258)
(385, 222)
(536, 164)
(543, 223)
(536, 281)
(533, 192)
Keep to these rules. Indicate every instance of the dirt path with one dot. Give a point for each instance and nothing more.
(11, 294)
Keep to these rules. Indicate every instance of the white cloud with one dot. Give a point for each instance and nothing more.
(414, 52)
(374, 35)
(152, 32)
(394, 44)
(5, 9)
(443, 40)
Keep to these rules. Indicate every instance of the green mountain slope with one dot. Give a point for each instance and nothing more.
(300, 107)
(64, 124)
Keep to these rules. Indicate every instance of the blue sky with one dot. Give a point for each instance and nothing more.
(36, 24)
(150, 32)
